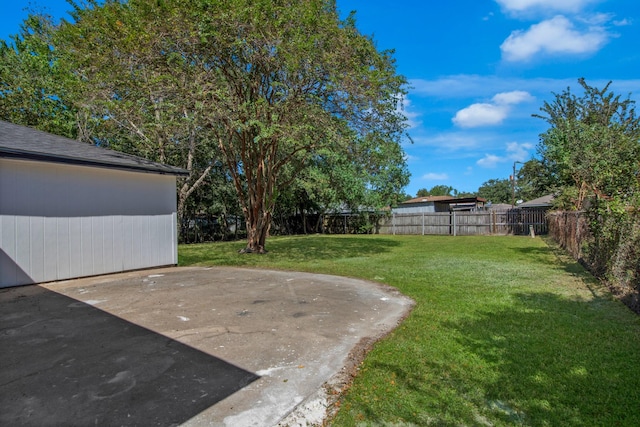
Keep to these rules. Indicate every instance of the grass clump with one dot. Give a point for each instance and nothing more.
(504, 332)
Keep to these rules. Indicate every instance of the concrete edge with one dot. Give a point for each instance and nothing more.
(322, 406)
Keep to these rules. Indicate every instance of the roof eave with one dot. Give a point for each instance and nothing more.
(42, 157)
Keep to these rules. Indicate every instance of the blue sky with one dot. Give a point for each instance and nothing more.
(478, 70)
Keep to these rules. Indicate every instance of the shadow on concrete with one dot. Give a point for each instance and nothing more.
(64, 362)
(10, 272)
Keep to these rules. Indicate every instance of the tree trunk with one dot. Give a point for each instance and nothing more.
(257, 232)
(186, 190)
(303, 216)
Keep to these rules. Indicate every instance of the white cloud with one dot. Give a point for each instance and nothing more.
(484, 114)
(518, 152)
(450, 141)
(513, 97)
(514, 152)
(596, 19)
(555, 36)
(622, 22)
(489, 161)
(480, 115)
(489, 16)
(435, 176)
(520, 6)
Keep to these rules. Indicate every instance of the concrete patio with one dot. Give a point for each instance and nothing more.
(186, 346)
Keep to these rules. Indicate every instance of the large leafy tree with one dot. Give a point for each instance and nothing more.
(442, 190)
(267, 87)
(333, 182)
(139, 70)
(273, 83)
(32, 84)
(496, 190)
(534, 180)
(423, 192)
(592, 145)
(289, 80)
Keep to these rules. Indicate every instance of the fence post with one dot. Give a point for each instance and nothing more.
(454, 223)
(493, 222)
(423, 223)
(393, 222)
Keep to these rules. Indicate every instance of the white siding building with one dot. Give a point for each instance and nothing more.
(69, 209)
(433, 204)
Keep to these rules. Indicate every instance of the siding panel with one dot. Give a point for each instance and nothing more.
(75, 247)
(86, 245)
(60, 221)
(118, 244)
(107, 244)
(50, 247)
(98, 240)
(23, 244)
(127, 240)
(8, 266)
(63, 249)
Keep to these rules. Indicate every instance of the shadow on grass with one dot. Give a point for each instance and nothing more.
(540, 254)
(291, 248)
(65, 362)
(543, 361)
(556, 361)
(554, 253)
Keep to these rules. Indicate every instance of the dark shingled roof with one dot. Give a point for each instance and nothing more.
(450, 199)
(540, 202)
(21, 142)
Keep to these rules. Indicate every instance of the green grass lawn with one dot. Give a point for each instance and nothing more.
(506, 331)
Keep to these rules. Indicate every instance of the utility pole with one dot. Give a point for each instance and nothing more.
(513, 185)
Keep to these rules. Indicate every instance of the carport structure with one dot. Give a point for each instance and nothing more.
(69, 209)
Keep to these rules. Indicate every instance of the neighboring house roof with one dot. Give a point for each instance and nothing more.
(449, 199)
(500, 207)
(540, 202)
(21, 142)
(427, 199)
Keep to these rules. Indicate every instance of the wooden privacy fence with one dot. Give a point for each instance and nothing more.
(571, 231)
(514, 221)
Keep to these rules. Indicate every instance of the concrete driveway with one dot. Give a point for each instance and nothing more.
(186, 346)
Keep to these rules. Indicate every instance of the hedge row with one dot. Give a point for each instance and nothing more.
(608, 244)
